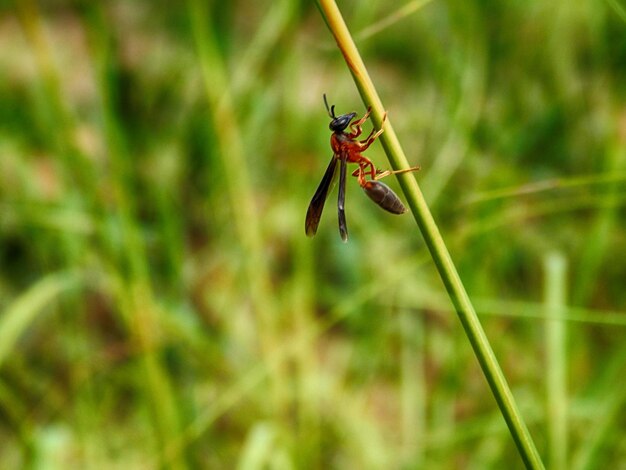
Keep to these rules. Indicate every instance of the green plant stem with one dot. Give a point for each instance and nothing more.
(433, 239)
(555, 267)
(229, 145)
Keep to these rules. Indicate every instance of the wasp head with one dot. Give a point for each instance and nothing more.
(339, 123)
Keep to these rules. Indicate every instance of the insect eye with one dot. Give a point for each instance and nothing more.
(341, 122)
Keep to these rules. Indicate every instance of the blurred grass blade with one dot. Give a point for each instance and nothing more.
(413, 391)
(388, 21)
(601, 229)
(433, 239)
(553, 184)
(555, 267)
(276, 20)
(619, 10)
(605, 403)
(23, 311)
(230, 147)
(258, 448)
(135, 294)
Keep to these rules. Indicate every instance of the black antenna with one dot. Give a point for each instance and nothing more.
(331, 110)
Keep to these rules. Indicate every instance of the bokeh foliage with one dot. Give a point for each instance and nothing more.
(161, 305)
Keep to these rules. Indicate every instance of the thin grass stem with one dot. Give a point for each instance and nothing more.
(555, 267)
(433, 239)
(229, 145)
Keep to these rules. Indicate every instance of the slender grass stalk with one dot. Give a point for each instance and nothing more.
(621, 12)
(433, 239)
(133, 286)
(413, 391)
(553, 184)
(18, 316)
(602, 429)
(599, 235)
(555, 338)
(395, 16)
(229, 145)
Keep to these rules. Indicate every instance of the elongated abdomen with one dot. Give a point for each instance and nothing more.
(382, 195)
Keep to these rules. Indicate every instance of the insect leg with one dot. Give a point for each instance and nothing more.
(373, 136)
(366, 167)
(382, 174)
(355, 127)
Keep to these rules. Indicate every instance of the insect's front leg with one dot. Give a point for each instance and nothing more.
(369, 140)
(355, 127)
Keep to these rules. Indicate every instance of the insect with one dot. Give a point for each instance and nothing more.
(346, 149)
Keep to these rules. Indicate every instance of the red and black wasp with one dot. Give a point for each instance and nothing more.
(348, 150)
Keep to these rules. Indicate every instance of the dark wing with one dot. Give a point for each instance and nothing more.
(341, 200)
(314, 212)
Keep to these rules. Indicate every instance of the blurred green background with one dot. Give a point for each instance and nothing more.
(162, 307)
